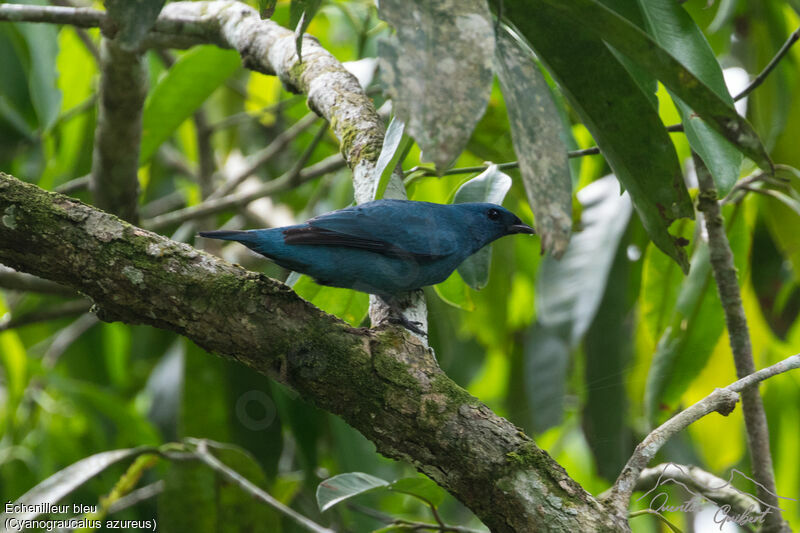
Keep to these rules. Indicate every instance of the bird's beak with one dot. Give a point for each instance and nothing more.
(521, 228)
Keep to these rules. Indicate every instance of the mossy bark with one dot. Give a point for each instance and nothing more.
(383, 382)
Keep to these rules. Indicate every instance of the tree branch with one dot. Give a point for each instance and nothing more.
(382, 381)
(332, 91)
(715, 489)
(721, 258)
(721, 400)
(115, 162)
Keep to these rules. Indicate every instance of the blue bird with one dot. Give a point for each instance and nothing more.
(384, 247)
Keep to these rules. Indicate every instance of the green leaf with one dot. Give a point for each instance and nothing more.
(438, 70)
(198, 499)
(537, 133)
(300, 14)
(694, 327)
(642, 49)
(420, 487)
(675, 30)
(396, 145)
(63, 482)
(181, 91)
(42, 43)
(619, 115)
(546, 364)
(266, 8)
(568, 292)
(344, 486)
(349, 305)
(134, 19)
(455, 292)
(608, 346)
(491, 186)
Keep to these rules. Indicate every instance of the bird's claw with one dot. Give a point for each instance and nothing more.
(411, 325)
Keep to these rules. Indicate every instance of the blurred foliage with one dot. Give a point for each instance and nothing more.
(638, 341)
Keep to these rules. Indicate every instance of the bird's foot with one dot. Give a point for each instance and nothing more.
(411, 325)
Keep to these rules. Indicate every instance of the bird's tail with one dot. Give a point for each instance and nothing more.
(227, 235)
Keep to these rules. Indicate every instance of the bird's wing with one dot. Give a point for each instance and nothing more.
(402, 230)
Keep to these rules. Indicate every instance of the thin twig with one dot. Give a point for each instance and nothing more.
(66, 336)
(721, 400)
(266, 154)
(85, 38)
(211, 206)
(67, 309)
(82, 17)
(204, 455)
(722, 266)
(12, 280)
(758, 80)
(696, 480)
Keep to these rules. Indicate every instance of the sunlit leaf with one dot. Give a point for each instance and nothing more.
(396, 145)
(349, 305)
(694, 327)
(674, 29)
(421, 487)
(344, 486)
(641, 48)
(181, 91)
(438, 70)
(490, 186)
(454, 291)
(537, 133)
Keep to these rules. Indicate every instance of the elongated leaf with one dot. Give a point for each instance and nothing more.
(421, 487)
(134, 19)
(675, 30)
(63, 482)
(300, 14)
(618, 114)
(181, 91)
(350, 306)
(546, 364)
(490, 186)
(396, 145)
(641, 48)
(569, 291)
(608, 346)
(42, 44)
(455, 292)
(198, 499)
(694, 327)
(537, 134)
(339, 488)
(266, 8)
(438, 70)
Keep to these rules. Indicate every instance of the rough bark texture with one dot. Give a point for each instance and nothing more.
(115, 161)
(381, 381)
(755, 418)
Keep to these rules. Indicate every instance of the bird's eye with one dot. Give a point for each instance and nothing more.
(493, 214)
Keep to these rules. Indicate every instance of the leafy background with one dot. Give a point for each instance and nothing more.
(585, 353)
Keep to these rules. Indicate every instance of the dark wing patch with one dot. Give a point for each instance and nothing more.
(313, 235)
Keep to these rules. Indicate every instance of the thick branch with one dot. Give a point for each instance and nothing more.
(755, 418)
(115, 163)
(383, 382)
(721, 400)
(266, 47)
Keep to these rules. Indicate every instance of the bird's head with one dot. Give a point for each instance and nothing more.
(487, 222)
